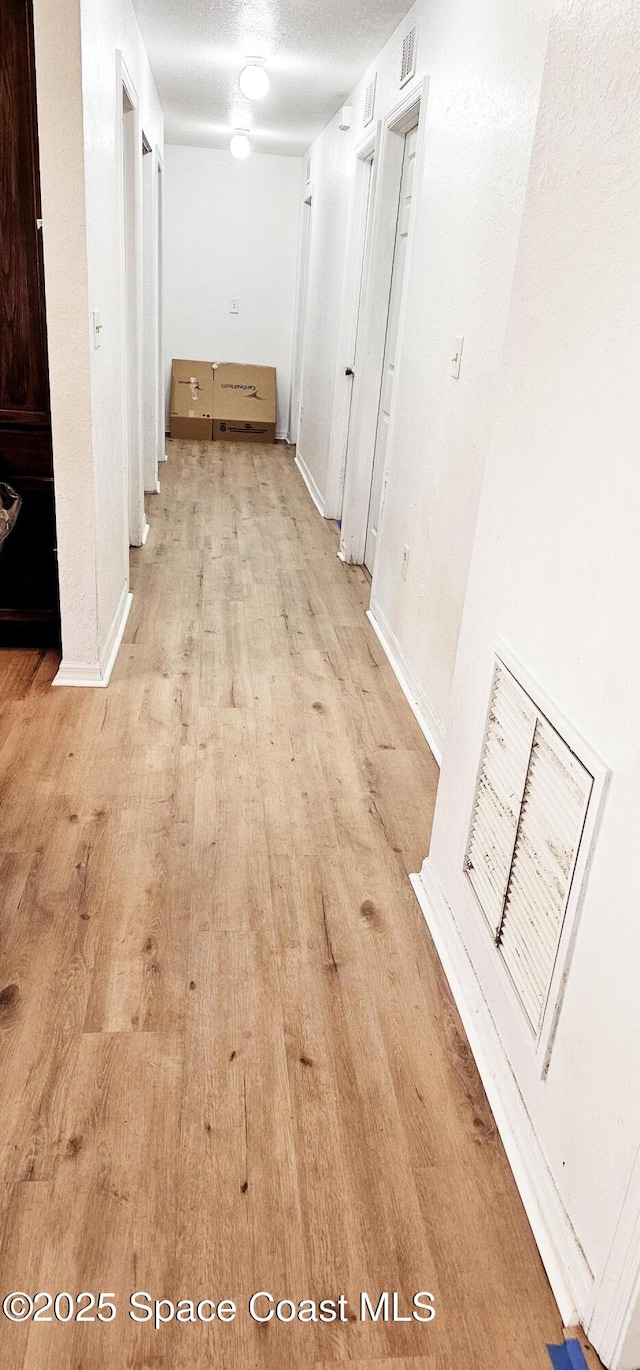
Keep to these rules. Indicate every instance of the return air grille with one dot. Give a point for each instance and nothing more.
(369, 101)
(528, 819)
(409, 50)
(308, 171)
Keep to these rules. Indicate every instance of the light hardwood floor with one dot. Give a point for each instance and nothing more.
(230, 1061)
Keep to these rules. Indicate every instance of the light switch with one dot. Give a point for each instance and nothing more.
(456, 359)
(234, 306)
(97, 329)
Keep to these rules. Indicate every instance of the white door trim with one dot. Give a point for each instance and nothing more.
(375, 309)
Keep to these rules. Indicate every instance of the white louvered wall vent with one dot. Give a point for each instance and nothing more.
(308, 172)
(369, 101)
(533, 819)
(409, 54)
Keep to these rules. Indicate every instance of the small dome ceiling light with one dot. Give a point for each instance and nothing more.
(240, 145)
(254, 82)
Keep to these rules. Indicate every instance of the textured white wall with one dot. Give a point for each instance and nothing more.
(80, 165)
(556, 573)
(231, 230)
(484, 63)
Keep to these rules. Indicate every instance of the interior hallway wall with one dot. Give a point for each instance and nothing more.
(484, 64)
(231, 231)
(556, 574)
(79, 117)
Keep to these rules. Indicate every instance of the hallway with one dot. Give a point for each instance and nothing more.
(230, 1059)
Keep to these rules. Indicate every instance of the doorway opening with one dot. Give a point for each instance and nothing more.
(132, 310)
(379, 335)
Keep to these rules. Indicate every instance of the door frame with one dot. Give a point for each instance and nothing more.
(353, 297)
(375, 312)
(131, 368)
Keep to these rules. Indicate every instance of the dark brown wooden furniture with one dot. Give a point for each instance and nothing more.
(29, 600)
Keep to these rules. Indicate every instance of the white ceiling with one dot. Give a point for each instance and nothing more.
(316, 52)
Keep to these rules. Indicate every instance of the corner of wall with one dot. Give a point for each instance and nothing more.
(569, 1275)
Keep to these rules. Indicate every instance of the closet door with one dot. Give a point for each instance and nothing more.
(29, 608)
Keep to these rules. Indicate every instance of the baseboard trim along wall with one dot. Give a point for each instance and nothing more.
(569, 1275)
(78, 673)
(426, 718)
(310, 484)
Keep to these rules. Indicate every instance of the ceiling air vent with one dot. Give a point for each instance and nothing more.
(533, 816)
(369, 101)
(409, 53)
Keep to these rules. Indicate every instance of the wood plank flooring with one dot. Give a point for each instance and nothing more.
(229, 1060)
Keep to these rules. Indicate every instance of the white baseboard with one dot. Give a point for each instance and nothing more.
(425, 716)
(310, 484)
(80, 674)
(145, 534)
(569, 1275)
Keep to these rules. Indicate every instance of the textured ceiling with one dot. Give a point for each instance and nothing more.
(316, 52)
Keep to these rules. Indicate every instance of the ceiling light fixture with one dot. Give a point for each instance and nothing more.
(254, 82)
(240, 145)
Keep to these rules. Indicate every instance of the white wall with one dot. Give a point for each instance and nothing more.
(60, 119)
(556, 573)
(231, 230)
(79, 106)
(484, 64)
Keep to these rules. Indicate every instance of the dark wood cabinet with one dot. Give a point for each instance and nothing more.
(29, 599)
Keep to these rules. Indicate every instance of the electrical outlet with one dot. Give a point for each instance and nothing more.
(234, 305)
(405, 561)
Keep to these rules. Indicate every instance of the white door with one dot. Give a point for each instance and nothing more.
(391, 345)
(295, 411)
(150, 399)
(131, 153)
(366, 192)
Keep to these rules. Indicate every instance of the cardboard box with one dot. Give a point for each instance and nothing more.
(191, 400)
(244, 403)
